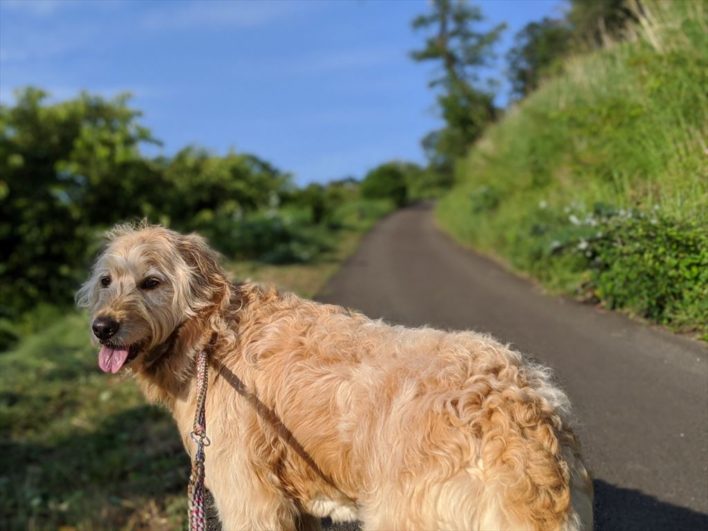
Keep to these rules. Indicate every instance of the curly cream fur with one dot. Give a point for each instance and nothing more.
(314, 409)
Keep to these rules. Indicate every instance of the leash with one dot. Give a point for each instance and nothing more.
(195, 492)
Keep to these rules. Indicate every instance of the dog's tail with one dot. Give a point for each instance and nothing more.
(533, 476)
(525, 467)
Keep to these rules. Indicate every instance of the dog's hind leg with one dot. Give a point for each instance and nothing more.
(452, 504)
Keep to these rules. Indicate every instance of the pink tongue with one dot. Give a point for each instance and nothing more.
(112, 359)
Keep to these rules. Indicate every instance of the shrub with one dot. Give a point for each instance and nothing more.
(646, 262)
(387, 181)
(653, 265)
(267, 237)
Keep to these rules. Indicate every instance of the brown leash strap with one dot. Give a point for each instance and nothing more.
(195, 493)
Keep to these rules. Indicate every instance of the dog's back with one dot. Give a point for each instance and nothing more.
(426, 429)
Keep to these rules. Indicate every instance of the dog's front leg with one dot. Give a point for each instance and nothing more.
(307, 522)
(250, 500)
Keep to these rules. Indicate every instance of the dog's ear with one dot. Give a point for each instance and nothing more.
(85, 296)
(197, 253)
(208, 278)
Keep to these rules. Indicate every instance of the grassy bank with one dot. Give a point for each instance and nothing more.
(80, 450)
(596, 184)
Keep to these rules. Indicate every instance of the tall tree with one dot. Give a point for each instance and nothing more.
(386, 181)
(595, 20)
(462, 51)
(63, 168)
(536, 48)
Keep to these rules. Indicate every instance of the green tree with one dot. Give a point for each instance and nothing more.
(69, 169)
(206, 185)
(595, 20)
(387, 181)
(314, 198)
(536, 48)
(63, 167)
(461, 51)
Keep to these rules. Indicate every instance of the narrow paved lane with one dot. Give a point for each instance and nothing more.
(640, 395)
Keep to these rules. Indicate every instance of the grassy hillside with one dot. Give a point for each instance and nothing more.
(82, 450)
(597, 183)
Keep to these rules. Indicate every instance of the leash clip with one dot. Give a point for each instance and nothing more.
(200, 438)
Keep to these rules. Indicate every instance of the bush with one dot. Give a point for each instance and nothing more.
(655, 266)
(267, 237)
(387, 181)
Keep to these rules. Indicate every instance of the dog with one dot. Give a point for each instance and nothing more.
(316, 411)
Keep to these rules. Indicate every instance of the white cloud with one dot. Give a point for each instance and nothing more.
(216, 14)
(32, 44)
(46, 8)
(355, 59)
(40, 8)
(58, 92)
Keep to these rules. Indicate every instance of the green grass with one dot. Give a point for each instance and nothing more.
(596, 184)
(79, 448)
(353, 219)
(82, 450)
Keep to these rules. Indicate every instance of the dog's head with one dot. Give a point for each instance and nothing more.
(144, 285)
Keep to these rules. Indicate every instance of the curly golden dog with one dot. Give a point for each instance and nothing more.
(315, 410)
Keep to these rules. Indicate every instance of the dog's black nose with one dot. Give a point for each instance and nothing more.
(104, 327)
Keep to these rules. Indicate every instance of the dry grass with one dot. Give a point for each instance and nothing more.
(304, 279)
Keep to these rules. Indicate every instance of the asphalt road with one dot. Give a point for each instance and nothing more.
(640, 394)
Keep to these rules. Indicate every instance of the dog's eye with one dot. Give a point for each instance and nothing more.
(150, 283)
(105, 281)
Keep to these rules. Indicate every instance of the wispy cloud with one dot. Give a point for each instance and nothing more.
(47, 8)
(223, 14)
(352, 59)
(39, 8)
(59, 92)
(33, 44)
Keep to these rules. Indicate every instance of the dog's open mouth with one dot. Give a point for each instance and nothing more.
(111, 358)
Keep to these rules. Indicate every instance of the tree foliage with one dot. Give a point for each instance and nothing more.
(461, 51)
(235, 184)
(63, 167)
(536, 49)
(322, 200)
(68, 169)
(594, 21)
(587, 24)
(387, 181)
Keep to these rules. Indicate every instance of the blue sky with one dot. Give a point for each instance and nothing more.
(323, 89)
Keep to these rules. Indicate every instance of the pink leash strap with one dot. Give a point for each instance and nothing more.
(195, 493)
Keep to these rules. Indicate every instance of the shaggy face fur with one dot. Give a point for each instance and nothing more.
(314, 410)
